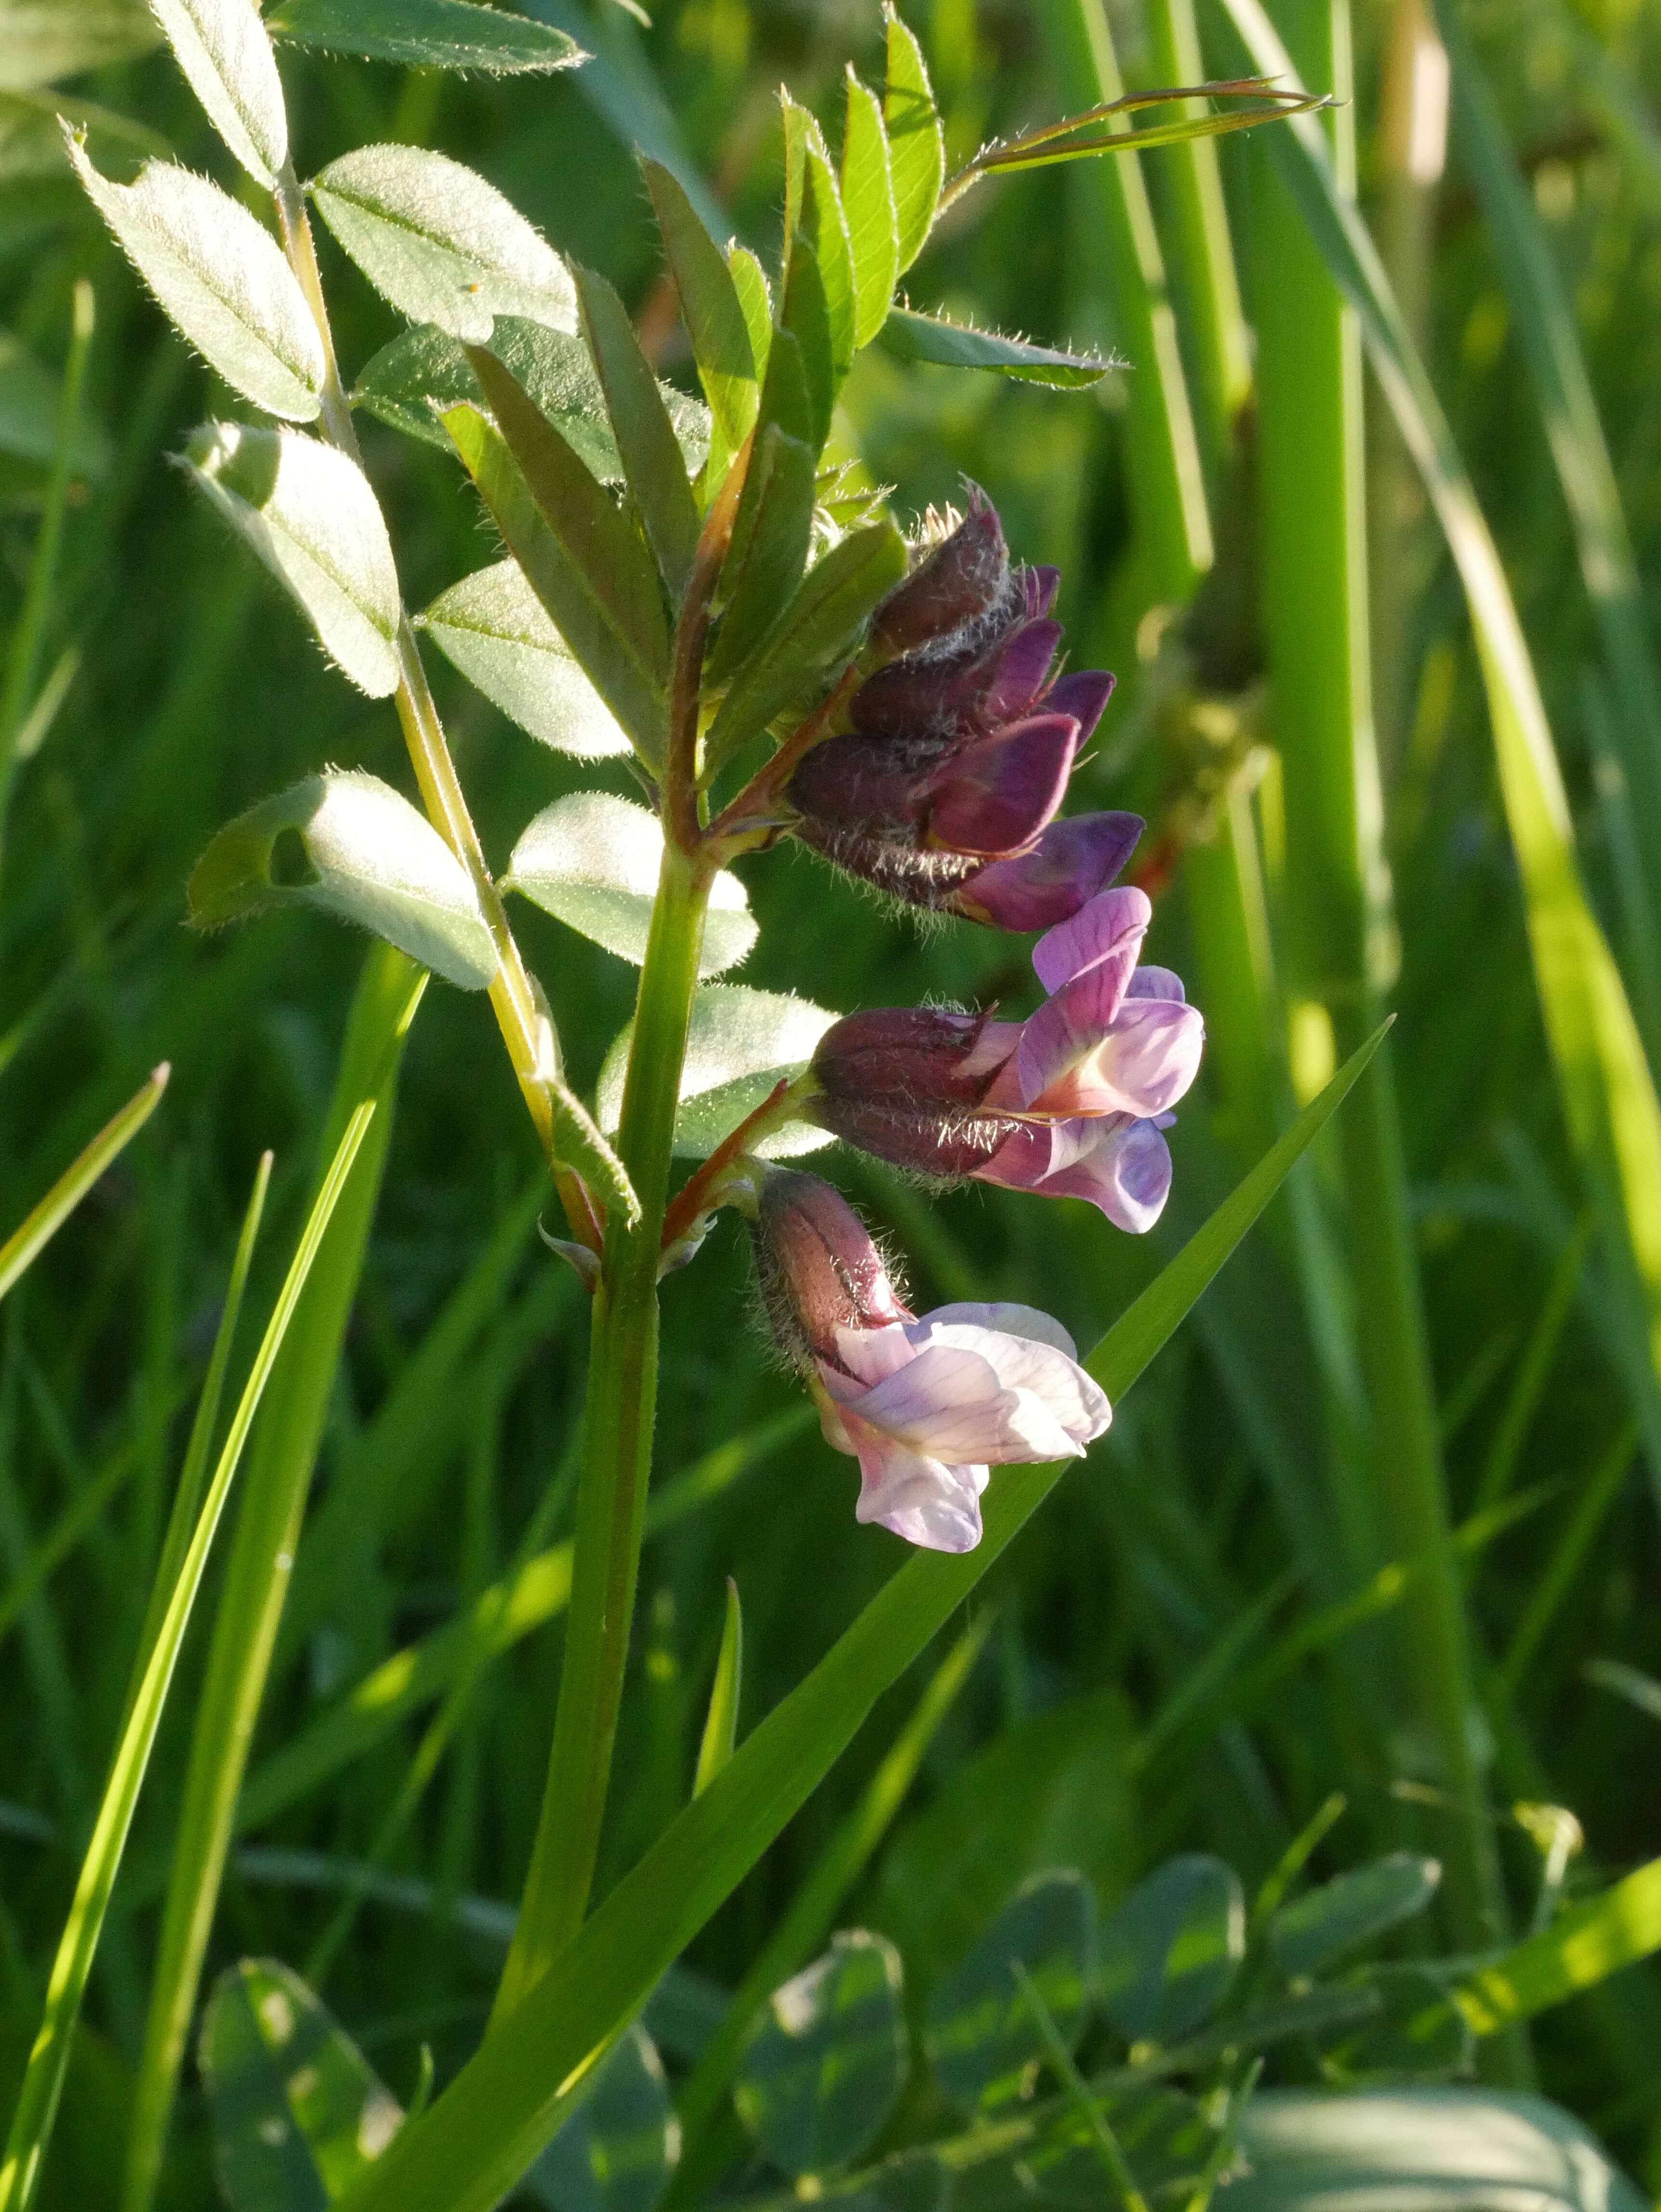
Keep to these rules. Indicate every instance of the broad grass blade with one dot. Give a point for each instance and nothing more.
(511, 2096)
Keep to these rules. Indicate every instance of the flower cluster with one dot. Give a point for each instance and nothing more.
(945, 789)
(928, 1407)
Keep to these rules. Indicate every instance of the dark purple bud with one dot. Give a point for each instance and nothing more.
(1083, 697)
(817, 1268)
(972, 692)
(963, 580)
(906, 1083)
(1000, 792)
(1069, 865)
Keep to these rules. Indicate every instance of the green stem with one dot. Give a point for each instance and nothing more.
(616, 1445)
(512, 996)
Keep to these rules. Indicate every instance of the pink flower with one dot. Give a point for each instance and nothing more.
(929, 1407)
(1070, 1103)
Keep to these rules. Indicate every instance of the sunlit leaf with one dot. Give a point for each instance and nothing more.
(497, 631)
(912, 336)
(1439, 2150)
(867, 201)
(825, 2061)
(308, 513)
(222, 47)
(916, 141)
(819, 222)
(220, 278)
(709, 308)
(755, 303)
(981, 2035)
(352, 847)
(618, 2151)
(1170, 1950)
(830, 608)
(653, 466)
(427, 34)
(297, 2110)
(440, 243)
(1583, 1945)
(582, 559)
(741, 1045)
(594, 859)
(410, 383)
(1325, 1925)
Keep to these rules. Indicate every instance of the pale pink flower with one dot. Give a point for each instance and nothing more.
(929, 1407)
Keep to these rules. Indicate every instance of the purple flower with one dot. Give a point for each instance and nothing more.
(1070, 1103)
(928, 1407)
(959, 749)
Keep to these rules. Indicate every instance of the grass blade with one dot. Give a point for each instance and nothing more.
(26, 1241)
(268, 1531)
(720, 1725)
(43, 2080)
(1608, 1093)
(508, 2101)
(1588, 1943)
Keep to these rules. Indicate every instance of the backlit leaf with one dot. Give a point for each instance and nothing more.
(222, 47)
(594, 859)
(982, 2036)
(741, 1045)
(411, 382)
(806, 314)
(653, 466)
(583, 561)
(912, 336)
(755, 303)
(220, 277)
(820, 223)
(497, 631)
(440, 243)
(428, 34)
(308, 513)
(825, 2061)
(709, 308)
(352, 847)
(297, 2110)
(917, 143)
(867, 204)
(1171, 1949)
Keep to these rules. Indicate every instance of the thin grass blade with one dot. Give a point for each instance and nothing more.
(27, 1241)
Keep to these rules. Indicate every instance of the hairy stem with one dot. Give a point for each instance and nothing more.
(616, 1444)
(512, 996)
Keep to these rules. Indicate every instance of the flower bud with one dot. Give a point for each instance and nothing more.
(817, 1269)
(962, 581)
(907, 1083)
